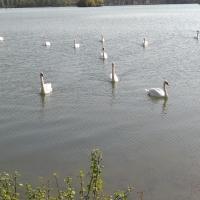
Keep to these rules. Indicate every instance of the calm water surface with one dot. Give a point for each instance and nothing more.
(153, 144)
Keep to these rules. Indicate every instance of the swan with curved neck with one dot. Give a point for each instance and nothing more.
(76, 45)
(1, 38)
(113, 76)
(158, 92)
(46, 88)
(145, 43)
(104, 54)
(197, 36)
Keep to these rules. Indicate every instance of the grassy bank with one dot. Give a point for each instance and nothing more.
(88, 186)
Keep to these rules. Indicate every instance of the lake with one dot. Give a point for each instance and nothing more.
(153, 144)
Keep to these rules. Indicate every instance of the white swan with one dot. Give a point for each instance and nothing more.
(145, 43)
(47, 44)
(76, 45)
(102, 38)
(197, 36)
(113, 76)
(1, 38)
(158, 92)
(46, 88)
(104, 55)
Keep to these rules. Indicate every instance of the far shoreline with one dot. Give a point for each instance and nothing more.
(105, 5)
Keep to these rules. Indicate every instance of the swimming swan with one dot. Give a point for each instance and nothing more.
(197, 36)
(145, 43)
(46, 88)
(158, 92)
(113, 75)
(104, 55)
(1, 39)
(47, 44)
(76, 45)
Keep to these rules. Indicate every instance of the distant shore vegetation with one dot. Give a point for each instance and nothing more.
(33, 3)
(49, 3)
(86, 3)
(90, 3)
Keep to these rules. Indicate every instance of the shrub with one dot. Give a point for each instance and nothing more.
(90, 3)
(89, 188)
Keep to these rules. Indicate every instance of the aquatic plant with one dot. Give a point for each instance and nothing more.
(90, 187)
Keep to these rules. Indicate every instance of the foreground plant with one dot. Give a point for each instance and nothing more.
(91, 186)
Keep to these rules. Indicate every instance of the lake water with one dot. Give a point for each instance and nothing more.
(153, 144)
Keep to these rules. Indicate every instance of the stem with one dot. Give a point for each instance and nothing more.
(57, 186)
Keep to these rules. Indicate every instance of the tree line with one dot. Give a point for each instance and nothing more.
(33, 3)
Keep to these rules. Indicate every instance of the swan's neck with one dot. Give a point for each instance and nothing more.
(197, 35)
(113, 72)
(165, 90)
(42, 83)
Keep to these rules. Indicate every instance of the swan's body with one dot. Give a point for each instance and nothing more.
(76, 45)
(102, 38)
(46, 88)
(104, 55)
(47, 44)
(1, 39)
(158, 92)
(113, 76)
(145, 43)
(197, 36)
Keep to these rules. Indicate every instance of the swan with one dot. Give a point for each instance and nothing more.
(102, 38)
(1, 38)
(197, 36)
(104, 55)
(47, 44)
(145, 43)
(113, 76)
(76, 45)
(46, 88)
(158, 92)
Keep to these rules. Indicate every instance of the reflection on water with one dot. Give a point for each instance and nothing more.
(43, 100)
(162, 102)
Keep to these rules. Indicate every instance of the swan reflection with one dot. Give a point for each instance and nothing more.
(164, 105)
(43, 100)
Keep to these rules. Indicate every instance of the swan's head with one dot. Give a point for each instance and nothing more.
(166, 82)
(41, 74)
(103, 49)
(197, 31)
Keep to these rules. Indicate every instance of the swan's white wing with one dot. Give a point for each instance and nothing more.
(155, 92)
(105, 56)
(77, 45)
(116, 79)
(145, 44)
(47, 43)
(47, 88)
